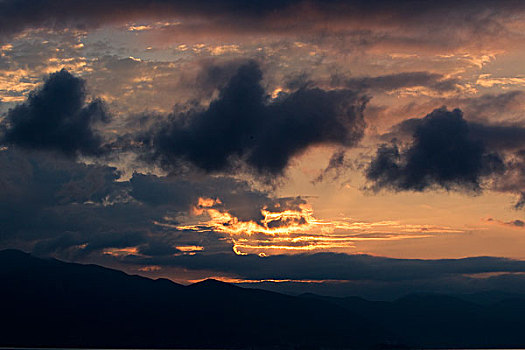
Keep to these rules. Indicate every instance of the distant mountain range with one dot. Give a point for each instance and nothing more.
(49, 303)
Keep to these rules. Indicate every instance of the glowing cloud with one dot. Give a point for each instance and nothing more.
(298, 230)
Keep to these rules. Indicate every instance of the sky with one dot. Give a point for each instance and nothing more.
(343, 146)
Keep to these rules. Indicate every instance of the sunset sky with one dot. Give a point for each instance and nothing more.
(337, 146)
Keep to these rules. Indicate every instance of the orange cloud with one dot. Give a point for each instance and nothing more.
(120, 252)
(298, 230)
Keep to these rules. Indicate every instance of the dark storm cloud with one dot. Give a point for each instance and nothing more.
(443, 153)
(242, 124)
(502, 152)
(57, 206)
(43, 199)
(391, 82)
(57, 117)
(502, 137)
(499, 137)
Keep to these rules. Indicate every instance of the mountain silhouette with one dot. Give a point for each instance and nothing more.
(53, 303)
(49, 303)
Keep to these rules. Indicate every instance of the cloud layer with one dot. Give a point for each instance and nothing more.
(332, 266)
(264, 92)
(390, 82)
(363, 23)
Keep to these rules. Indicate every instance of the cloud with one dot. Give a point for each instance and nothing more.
(390, 82)
(503, 137)
(517, 223)
(336, 165)
(182, 194)
(56, 206)
(389, 290)
(289, 225)
(447, 24)
(513, 180)
(496, 148)
(503, 109)
(57, 117)
(499, 137)
(333, 266)
(243, 125)
(443, 153)
(504, 106)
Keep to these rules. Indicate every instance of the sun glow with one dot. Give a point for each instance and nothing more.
(296, 229)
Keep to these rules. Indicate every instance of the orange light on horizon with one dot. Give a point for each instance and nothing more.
(189, 248)
(120, 252)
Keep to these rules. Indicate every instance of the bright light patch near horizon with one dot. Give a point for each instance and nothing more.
(298, 230)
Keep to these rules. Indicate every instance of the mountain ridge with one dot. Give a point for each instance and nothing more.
(50, 303)
(72, 305)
